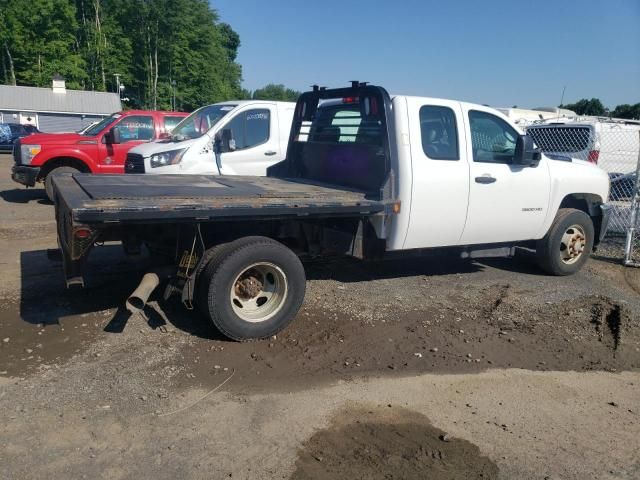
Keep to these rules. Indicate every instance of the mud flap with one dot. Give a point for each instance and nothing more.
(73, 270)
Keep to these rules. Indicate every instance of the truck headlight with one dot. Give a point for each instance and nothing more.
(27, 152)
(167, 158)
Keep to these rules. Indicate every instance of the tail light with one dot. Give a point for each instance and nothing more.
(82, 233)
(350, 100)
(593, 157)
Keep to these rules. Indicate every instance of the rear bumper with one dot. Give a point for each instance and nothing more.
(25, 175)
(604, 222)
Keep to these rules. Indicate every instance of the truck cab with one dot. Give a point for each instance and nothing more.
(102, 148)
(457, 169)
(465, 186)
(228, 138)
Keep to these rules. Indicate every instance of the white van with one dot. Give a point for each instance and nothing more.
(524, 117)
(612, 144)
(229, 138)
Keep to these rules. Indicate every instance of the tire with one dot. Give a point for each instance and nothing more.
(555, 253)
(254, 287)
(203, 275)
(48, 183)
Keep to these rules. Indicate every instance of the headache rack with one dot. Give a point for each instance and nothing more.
(340, 152)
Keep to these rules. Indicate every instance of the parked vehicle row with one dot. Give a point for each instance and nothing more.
(365, 174)
(101, 148)
(246, 137)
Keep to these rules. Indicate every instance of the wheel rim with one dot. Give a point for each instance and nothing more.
(573, 244)
(258, 292)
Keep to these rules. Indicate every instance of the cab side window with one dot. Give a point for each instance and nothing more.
(171, 122)
(493, 140)
(257, 127)
(136, 128)
(250, 128)
(439, 133)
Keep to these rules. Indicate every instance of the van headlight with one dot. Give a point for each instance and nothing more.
(27, 152)
(167, 158)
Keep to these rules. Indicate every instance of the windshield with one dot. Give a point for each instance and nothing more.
(98, 127)
(200, 122)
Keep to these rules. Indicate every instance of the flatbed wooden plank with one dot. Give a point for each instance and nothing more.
(151, 198)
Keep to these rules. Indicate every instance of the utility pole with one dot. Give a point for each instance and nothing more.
(173, 85)
(117, 75)
(561, 101)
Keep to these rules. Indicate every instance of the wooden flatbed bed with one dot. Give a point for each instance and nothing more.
(91, 199)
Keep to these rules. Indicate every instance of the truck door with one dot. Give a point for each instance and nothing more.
(440, 171)
(506, 202)
(134, 130)
(256, 144)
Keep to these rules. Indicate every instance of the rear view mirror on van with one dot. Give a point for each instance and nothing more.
(112, 136)
(526, 153)
(224, 141)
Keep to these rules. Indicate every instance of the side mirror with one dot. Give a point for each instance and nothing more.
(526, 153)
(163, 136)
(112, 136)
(227, 141)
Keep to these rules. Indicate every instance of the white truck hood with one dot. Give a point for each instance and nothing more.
(579, 176)
(159, 146)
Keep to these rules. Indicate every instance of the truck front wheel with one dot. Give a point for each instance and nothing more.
(254, 288)
(568, 243)
(48, 180)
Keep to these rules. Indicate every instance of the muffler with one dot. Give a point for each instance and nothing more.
(138, 299)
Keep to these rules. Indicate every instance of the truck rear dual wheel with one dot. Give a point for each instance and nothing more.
(251, 288)
(568, 243)
(48, 180)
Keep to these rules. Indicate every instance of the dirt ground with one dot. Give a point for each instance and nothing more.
(400, 369)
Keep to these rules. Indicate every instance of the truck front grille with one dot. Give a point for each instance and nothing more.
(17, 152)
(134, 163)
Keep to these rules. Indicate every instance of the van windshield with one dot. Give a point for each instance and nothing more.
(98, 127)
(200, 122)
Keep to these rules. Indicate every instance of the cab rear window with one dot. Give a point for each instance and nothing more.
(343, 123)
(439, 133)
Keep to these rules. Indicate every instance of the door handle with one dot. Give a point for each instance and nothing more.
(269, 153)
(486, 178)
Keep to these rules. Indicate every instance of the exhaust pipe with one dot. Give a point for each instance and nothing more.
(138, 299)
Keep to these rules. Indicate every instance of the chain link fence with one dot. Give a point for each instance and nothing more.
(632, 244)
(615, 147)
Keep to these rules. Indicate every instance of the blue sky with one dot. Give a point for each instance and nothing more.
(489, 51)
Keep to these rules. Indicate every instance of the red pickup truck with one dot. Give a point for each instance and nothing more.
(101, 148)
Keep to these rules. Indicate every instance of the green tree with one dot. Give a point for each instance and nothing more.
(245, 94)
(275, 92)
(106, 48)
(631, 112)
(38, 39)
(181, 41)
(159, 48)
(587, 107)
